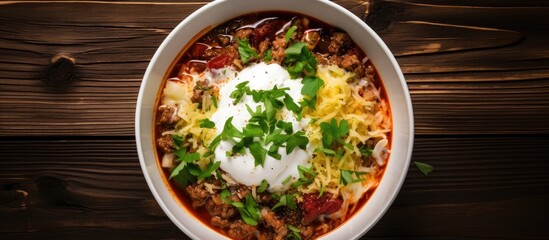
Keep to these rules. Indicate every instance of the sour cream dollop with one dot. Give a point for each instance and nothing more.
(241, 167)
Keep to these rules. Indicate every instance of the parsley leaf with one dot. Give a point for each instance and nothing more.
(311, 85)
(264, 185)
(230, 131)
(268, 55)
(296, 140)
(332, 132)
(182, 155)
(177, 140)
(299, 61)
(365, 151)
(258, 152)
(306, 176)
(239, 92)
(214, 100)
(246, 51)
(224, 196)
(424, 168)
(209, 170)
(186, 171)
(249, 212)
(286, 200)
(206, 123)
(346, 177)
(295, 234)
(290, 33)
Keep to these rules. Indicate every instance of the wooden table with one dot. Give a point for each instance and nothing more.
(478, 72)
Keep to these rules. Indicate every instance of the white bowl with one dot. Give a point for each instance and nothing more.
(220, 11)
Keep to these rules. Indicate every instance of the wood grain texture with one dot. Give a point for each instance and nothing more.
(68, 188)
(472, 68)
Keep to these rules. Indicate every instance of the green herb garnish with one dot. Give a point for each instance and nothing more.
(332, 132)
(268, 55)
(306, 176)
(295, 234)
(287, 200)
(206, 123)
(177, 140)
(299, 61)
(290, 33)
(311, 85)
(249, 212)
(348, 177)
(209, 170)
(246, 51)
(263, 186)
(424, 167)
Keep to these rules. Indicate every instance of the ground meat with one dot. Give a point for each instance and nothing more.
(263, 46)
(267, 199)
(165, 143)
(220, 222)
(279, 46)
(290, 216)
(168, 115)
(199, 89)
(306, 232)
(216, 207)
(271, 219)
(243, 33)
(321, 59)
(196, 66)
(274, 222)
(311, 38)
(238, 229)
(351, 63)
(198, 194)
(240, 191)
(224, 40)
(339, 42)
(211, 53)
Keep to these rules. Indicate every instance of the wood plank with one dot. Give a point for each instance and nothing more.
(95, 189)
(469, 71)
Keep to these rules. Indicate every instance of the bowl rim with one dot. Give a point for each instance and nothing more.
(400, 77)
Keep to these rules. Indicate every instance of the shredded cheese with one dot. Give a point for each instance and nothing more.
(339, 99)
(179, 93)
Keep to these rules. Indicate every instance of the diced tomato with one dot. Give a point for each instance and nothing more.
(314, 206)
(197, 50)
(220, 61)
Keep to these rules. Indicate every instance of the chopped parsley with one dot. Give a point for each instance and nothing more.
(268, 55)
(206, 123)
(249, 211)
(246, 51)
(333, 133)
(306, 176)
(287, 200)
(187, 171)
(290, 33)
(424, 167)
(299, 61)
(295, 233)
(348, 177)
(263, 186)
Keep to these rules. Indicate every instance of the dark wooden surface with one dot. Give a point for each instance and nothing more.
(478, 72)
